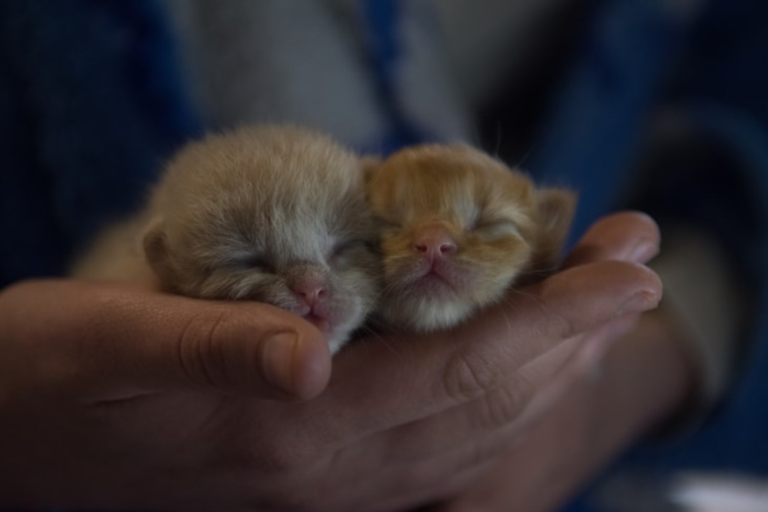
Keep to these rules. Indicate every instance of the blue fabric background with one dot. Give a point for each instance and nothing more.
(712, 73)
(91, 103)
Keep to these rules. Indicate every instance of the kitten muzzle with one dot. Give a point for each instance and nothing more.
(318, 321)
(434, 243)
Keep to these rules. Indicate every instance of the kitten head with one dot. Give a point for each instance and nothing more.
(275, 215)
(457, 228)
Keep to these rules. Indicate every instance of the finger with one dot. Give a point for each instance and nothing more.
(626, 236)
(389, 381)
(135, 342)
(583, 351)
(580, 423)
(497, 414)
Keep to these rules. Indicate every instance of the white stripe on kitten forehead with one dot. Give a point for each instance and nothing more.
(261, 214)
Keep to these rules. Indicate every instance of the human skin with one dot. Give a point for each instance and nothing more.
(601, 402)
(114, 397)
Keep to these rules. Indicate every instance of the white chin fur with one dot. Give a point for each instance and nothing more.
(343, 332)
(427, 314)
(335, 343)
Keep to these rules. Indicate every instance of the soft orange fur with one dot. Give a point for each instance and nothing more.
(503, 227)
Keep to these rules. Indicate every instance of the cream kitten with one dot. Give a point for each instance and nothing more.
(457, 229)
(272, 214)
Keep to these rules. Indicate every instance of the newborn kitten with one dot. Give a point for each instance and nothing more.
(458, 229)
(273, 214)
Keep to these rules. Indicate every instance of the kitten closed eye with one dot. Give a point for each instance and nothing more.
(458, 229)
(496, 228)
(350, 245)
(247, 215)
(251, 261)
(343, 252)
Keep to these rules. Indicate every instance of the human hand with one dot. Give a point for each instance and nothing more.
(99, 382)
(602, 400)
(404, 421)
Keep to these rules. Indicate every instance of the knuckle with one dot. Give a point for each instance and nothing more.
(557, 326)
(200, 349)
(469, 375)
(505, 404)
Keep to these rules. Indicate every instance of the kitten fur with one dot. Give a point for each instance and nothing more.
(270, 214)
(458, 228)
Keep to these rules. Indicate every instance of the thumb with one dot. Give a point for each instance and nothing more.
(135, 341)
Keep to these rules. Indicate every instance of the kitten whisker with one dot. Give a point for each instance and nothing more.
(370, 331)
(498, 139)
(527, 154)
(535, 298)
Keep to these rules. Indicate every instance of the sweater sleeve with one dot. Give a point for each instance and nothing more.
(90, 105)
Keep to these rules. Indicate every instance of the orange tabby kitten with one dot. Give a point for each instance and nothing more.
(458, 228)
(272, 214)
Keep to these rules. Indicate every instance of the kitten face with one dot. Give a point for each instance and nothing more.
(272, 215)
(457, 228)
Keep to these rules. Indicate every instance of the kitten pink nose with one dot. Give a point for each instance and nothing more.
(434, 243)
(310, 291)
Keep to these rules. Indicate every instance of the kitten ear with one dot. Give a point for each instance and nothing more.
(555, 209)
(155, 246)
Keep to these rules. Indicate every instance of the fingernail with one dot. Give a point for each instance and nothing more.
(277, 355)
(643, 251)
